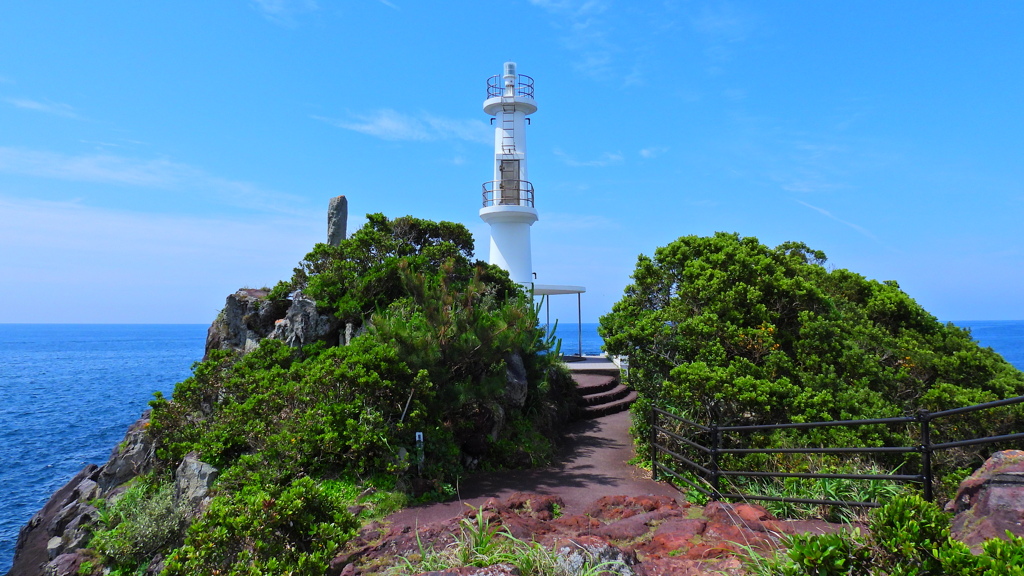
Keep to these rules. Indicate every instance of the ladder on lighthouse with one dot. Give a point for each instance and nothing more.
(508, 124)
(509, 167)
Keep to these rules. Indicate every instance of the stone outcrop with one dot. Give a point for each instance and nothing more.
(637, 535)
(990, 501)
(192, 482)
(516, 385)
(49, 543)
(132, 457)
(248, 317)
(337, 220)
(303, 324)
(52, 540)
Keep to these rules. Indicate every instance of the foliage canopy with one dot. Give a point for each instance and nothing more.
(724, 326)
(298, 432)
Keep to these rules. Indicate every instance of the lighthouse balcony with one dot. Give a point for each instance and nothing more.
(508, 193)
(523, 87)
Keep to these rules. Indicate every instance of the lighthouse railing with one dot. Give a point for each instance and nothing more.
(496, 86)
(508, 193)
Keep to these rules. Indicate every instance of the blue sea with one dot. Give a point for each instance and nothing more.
(68, 393)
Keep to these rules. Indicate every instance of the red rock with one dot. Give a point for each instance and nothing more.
(735, 537)
(1005, 462)
(706, 551)
(673, 536)
(578, 523)
(990, 502)
(634, 526)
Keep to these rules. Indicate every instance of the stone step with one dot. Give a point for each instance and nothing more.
(612, 395)
(599, 410)
(590, 384)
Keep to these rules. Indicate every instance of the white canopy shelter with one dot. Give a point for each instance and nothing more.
(548, 290)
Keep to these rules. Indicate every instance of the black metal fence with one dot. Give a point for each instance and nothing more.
(661, 437)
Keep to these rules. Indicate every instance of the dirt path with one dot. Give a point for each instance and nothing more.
(592, 464)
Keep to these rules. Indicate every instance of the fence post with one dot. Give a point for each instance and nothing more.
(654, 443)
(716, 439)
(924, 417)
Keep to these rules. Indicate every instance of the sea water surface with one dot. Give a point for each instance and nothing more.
(69, 392)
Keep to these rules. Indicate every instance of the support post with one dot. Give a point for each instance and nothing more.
(716, 440)
(579, 323)
(653, 418)
(924, 417)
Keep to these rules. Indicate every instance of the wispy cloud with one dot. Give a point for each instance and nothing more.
(389, 4)
(606, 159)
(809, 167)
(158, 173)
(284, 12)
(828, 214)
(55, 108)
(388, 124)
(586, 33)
(724, 27)
(652, 152)
(120, 262)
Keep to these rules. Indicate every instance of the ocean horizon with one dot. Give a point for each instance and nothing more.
(68, 393)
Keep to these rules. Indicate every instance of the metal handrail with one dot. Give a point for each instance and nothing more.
(925, 448)
(508, 193)
(496, 86)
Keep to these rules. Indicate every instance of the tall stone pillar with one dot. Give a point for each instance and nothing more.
(337, 220)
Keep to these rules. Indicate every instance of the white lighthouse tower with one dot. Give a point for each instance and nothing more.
(508, 198)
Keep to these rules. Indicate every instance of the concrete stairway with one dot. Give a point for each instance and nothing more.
(601, 393)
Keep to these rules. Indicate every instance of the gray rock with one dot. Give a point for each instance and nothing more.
(516, 384)
(156, 565)
(30, 553)
(64, 565)
(247, 318)
(337, 220)
(54, 546)
(87, 490)
(576, 555)
(59, 521)
(132, 457)
(303, 324)
(192, 482)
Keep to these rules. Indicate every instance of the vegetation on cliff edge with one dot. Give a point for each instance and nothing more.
(724, 328)
(297, 433)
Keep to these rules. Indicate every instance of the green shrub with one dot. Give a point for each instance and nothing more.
(292, 430)
(271, 530)
(737, 333)
(907, 537)
(139, 523)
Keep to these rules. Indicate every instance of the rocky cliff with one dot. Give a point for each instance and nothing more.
(52, 541)
(248, 317)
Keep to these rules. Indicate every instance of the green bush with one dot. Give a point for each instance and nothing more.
(907, 537)
(737, 333)
(265, 530)
(138, 524)
(296, 431)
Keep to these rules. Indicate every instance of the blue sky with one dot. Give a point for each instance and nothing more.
(156, 156)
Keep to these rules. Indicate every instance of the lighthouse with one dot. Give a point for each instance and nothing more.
(508, 197)
(508, 202)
